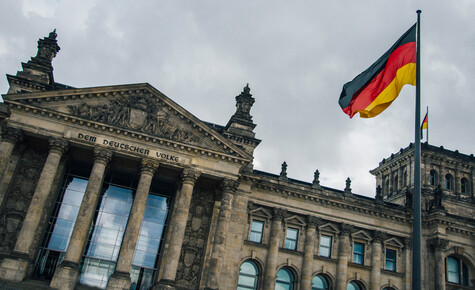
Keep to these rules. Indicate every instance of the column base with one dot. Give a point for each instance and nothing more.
(119, 281)
(164, 284)
(66, 276)
(15, 267)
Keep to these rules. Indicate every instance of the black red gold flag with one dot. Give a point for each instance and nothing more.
(372, 91)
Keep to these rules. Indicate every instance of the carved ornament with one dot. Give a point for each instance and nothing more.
(58, 145)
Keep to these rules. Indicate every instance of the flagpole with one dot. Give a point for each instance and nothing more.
(427, 114)
(417, 225)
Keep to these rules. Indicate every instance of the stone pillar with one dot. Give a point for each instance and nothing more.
(10, 137)
(273, 251)
(309, 250)
(16, 267)
(177, 229)
(408, 264)
(229, 188)
(67, 273)
(120, 279)
(376, 259)
(343, 255)
(438, 246)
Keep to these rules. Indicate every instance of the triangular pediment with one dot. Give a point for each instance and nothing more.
(295, 220)
(393, 242)
(260, 212)
(329, 228)
(135, 110)
(361, 235)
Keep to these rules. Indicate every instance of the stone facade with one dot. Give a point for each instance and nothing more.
(119, 187)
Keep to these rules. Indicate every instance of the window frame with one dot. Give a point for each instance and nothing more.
(449, 182)
(320, 246)
(357, 254)
(462, 271)
(292, 277)
(261, 233)
(386, 259)
(464, 186)
(433, 177)
(296, 241)
(256, 276)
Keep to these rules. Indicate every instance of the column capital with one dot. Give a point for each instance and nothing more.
(313, 221)
(278, 213)
(11, 135)
(58, 145)
(148, 166)
(438, 244)
(190, 175)
(102, 155)
(230, 185)
(379, 236)
(408, 242)
(346, 229)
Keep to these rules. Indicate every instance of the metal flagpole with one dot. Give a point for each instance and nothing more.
(416, 232)
(427, 133)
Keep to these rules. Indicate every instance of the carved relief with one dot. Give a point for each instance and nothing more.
(19, 197)
(136, 112)
(194, 244)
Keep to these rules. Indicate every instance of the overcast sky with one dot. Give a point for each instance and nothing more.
(295, 55)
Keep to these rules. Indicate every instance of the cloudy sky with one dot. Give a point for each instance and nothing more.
(295, 55)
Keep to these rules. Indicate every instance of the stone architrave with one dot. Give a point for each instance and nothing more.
(343, 254)
(309, 249)
(177, 228)
(10, 137)
(439, 246)
(229, 188)
(67, 273)
(120, 279)
(376, 251)
(273, 252)
(16, 268)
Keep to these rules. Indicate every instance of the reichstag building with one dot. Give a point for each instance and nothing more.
(119, 187)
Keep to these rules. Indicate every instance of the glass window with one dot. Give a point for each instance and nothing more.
(457, 271)
(448, 182)
(291, 237)
(285, 280)
(390, 260)
(395, 182)
(257, 228)
(325, 246)
(464, 186)
(433, 177)
(358, 253)
(248, 276)
(354, 286)
(319, 283)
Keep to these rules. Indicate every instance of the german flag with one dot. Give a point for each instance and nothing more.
(372, 91)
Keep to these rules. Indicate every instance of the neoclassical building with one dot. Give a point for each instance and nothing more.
(119, 187)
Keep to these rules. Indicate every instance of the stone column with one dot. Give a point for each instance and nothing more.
(16, 267)
(67, 273)
(120, 279)
(408, 265)
(177, 229)
(438, 246)
(343, 255)
(376, 257)
(273, 251)
(10, 137)
(229, 188)
(309, 250)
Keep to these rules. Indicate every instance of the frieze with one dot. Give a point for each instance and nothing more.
(136, 112)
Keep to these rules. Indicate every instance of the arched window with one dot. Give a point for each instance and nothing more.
(386, 186)
(353, 285)
(464, 186)
(285, 280)
(319, 282)
(404, 180)
(457, 271)
(395, 182)
(449, 182)
(433, 177)
(248, 276)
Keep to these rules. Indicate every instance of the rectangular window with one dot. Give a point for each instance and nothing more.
(358, 253)
(256, 231)
(291, 238)
(390, 260)
(325, 246)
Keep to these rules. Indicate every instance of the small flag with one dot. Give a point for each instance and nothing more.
(425, 123)
(372, 91)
